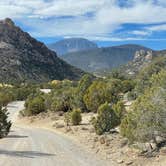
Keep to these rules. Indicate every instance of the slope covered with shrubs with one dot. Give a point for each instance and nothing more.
(143, 122)
(147, 117)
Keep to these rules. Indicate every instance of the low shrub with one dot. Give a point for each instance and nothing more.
(105, 120)
(35, 106)
(76, 117)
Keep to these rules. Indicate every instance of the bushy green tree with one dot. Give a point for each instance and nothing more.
(106, 119)
(128, 85)
(61, 105)
(4, 123)
(22, 92)
(102, 91)
(5, 98)
(147, 116)
(83, 85)
(159, 79)
(144, 76)
(35, 106)
(95, 95)
(119, 110)
(63, 100)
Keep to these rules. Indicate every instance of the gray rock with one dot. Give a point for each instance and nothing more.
(123, 142)
(57, 125)
(129, 162)
(120, 161)
(107, 142)
(60, 126)
(143, 147)
(148, 147)
(160, 139)
(163, 150)
(102, 140)
(84, 128)
(95, 139)
(154, 146)
(91, 130)
(114, 131)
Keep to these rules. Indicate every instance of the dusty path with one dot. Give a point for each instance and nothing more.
(27, 146)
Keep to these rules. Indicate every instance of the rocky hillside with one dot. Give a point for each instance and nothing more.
(24, 59)
(72, 45)
(143, 59)
(101, 59)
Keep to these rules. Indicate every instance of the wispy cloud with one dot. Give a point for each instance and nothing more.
(161, 27)
(141, 32)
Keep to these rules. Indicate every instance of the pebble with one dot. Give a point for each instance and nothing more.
(120, 161)
(129, 162)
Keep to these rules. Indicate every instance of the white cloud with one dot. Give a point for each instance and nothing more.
(145, 12)
(69, 8)
(117, 39)
(12, 11)
(48, 17)
(157, 27)
(141, 32)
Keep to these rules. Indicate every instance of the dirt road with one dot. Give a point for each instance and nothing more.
(29, 146)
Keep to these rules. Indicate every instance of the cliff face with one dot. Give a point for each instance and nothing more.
(141, 59)
(23, 58)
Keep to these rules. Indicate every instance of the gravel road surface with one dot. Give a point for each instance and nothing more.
(29, 146)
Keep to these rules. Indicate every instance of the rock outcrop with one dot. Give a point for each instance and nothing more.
(141, 59)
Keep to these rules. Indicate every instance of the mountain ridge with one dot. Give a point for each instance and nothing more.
(23, 58)
(105, 58)
(72, 45)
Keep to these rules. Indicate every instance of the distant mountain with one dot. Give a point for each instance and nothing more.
(72, 45)
(24, 59)
(101, 59)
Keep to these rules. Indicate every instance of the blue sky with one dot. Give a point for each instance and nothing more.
(107, 22)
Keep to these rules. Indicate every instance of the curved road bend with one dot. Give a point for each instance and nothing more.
(28, 146)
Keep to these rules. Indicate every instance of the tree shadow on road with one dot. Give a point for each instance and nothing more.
(16, 136)
(25, 154)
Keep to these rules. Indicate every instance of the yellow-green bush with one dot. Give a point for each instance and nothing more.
(35, 106)
(76, 117)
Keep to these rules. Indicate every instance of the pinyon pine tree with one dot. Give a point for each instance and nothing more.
(4, 123)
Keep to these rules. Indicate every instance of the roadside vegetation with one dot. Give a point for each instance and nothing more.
(4, 123)
(9, 93)
(103, 97)
(143, 122)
